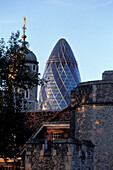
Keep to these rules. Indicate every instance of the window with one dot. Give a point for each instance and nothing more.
(26, 94)
(17, 90)
(34, 67)
(56, 135)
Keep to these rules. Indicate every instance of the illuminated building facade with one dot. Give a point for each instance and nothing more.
(62, 74)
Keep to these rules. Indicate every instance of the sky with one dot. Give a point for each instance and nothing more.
(87, 25)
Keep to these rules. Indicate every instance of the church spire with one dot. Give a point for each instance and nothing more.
(24, 28)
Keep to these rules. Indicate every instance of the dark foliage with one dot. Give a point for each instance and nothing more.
(14, 74)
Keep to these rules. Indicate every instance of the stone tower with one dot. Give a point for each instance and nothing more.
(30, 95)
(92, 117)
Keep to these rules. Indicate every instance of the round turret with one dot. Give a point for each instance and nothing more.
(30, 94)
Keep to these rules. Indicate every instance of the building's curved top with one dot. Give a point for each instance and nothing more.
(31, 57)
(63, 74)
(62, 52)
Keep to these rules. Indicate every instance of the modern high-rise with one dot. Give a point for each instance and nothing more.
(62, 74)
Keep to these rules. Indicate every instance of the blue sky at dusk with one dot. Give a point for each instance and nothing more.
(87, 25)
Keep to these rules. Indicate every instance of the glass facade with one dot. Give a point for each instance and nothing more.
(62, 74)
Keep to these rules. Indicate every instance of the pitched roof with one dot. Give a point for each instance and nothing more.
(34, 119)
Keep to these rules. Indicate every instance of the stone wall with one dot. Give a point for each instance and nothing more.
(59, 155)
(92, 92)
(92, 109)
(31, 101)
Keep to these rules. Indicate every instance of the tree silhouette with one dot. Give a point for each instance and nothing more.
(15, 77)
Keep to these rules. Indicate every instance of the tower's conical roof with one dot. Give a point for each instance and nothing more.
(63, 74)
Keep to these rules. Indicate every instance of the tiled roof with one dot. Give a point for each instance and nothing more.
(34, 119)
(63, 115)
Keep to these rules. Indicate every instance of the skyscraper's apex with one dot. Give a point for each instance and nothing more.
(62, 52)
(62, 39)
(62, 71)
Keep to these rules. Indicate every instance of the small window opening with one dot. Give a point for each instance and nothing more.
(34, 67)
(27, 94)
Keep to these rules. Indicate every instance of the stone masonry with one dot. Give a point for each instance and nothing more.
(92, 118)
(64, 154)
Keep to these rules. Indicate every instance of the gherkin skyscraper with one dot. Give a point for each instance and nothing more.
(63, 75)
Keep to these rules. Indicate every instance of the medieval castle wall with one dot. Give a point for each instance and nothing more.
(59, 155)
(92, 118)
